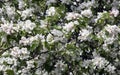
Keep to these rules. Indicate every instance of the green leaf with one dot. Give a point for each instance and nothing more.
(10, 72)
(34, 45)
(71, 47)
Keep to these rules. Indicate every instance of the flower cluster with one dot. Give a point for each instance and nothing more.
(59, 37)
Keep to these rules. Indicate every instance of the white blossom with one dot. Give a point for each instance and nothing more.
(41, 72)
(10, 11)
(100, 14)
(72, 15)
(28, 41)
(28, 26)
(60, 66)
(87, 4)
(26, 13)
(22, 53)
(84, 34)
(50, 1)
(9, 28)
(110, 68)
(56, 32)
(87, 13)
(69, 26)
(21, 4)
(43, 24)
(114, 12)
(51, 11)
(30, 64)
(99, 62)
(112, 29)
(50, 38)
(109, 40)
(24, 41)
(80, 40)
(2, 67)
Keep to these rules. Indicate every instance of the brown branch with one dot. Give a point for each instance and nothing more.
(3, 50)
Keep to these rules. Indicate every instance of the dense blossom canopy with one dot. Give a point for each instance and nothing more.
(59, 37)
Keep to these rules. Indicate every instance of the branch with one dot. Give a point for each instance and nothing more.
(3, 50)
